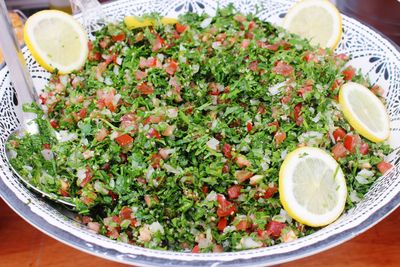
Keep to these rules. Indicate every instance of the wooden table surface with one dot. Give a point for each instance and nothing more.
(23, 245)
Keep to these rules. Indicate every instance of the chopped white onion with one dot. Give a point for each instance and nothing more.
(353, 197)
(286, 216)
(248, 242)
(172, 113)
(275, 89)
(47, 154)
(156, 227)
(65, 136)
(212, 196)
(213, 143)
(205, 23)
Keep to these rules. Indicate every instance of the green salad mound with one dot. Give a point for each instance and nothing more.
(171, 136)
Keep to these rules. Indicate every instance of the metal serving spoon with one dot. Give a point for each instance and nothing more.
(24, 87)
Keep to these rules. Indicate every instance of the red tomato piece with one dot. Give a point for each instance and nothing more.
(204, 189)
(245, 43)
(351, 142)
(304, 90)
(364, 148)
(124, 140)
(297, 114)
(196, 249)
(270, 192)
(249, 126)
(342, 57)
(54, 124)
(125, 213)
(144, 88)
(282, 68)
(274, 124)
(171, 67)
(279, 137)
(339, 151)
(88, 177)
(119, 37)
(242, 226)
(384, 166)
(339, 134)
(226, 150)
(222, 223)
(253, 66)
(336, 84)
(153, 133)
(349, 73)
(180, 28)
(234, 191)
(274, 228)
(310, 57)
(158, 43)
(139, 75)
(155, 160)
(377, 90)
(225, 208)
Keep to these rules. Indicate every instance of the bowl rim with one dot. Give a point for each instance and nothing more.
(24, 211)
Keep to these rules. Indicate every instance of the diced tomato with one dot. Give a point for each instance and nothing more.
(242, 225)
(304, 90)
(234, 191)
(171, 67)
(274, 47)
(243, 175)
(64, 193)
(252, 25)
(113, 196)
(155, 160)
(139, 75)
(279, 137)
(384, 166)
(153, 133)
(349, 73)
(274, 228)
(249, 126)
(310, 57)
(226, 150)
(94, 56)
(180, 28)
(339, 151)
(147, 63)
(225, 207)
(242, 161)
(261, 109)
(225, 168)
(196, 249)
(364, 148)
(377, 90)
(157, 44)
(54, 124)
(239, 18)
(339, 134)
(351, 142)
(274, 124)
(46, 146)
(125, 213)
(124, 140)
(343, 57)
(119, 37)
(144, 88)
(253, 66)
(245, 43)
(88, 177)
(123, 157)
(336, 84)
(204, 189)
(297, 114)
(282, 68)
(105, 42)
(270, 192)
(222, 223)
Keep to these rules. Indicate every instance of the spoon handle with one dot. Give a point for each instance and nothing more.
(16, 64)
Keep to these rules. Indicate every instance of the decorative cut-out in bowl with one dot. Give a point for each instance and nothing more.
(372, 53)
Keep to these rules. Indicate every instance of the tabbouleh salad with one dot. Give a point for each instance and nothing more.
(171, 136)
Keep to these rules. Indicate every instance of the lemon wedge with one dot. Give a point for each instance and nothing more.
(364, 111)
(56, 40)
(319, 21)
(312, 187)
(137, 22)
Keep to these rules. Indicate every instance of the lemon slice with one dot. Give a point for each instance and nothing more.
(364, 111)
(316, 20)
(137, 22)
(312, 187)
(56, 40)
